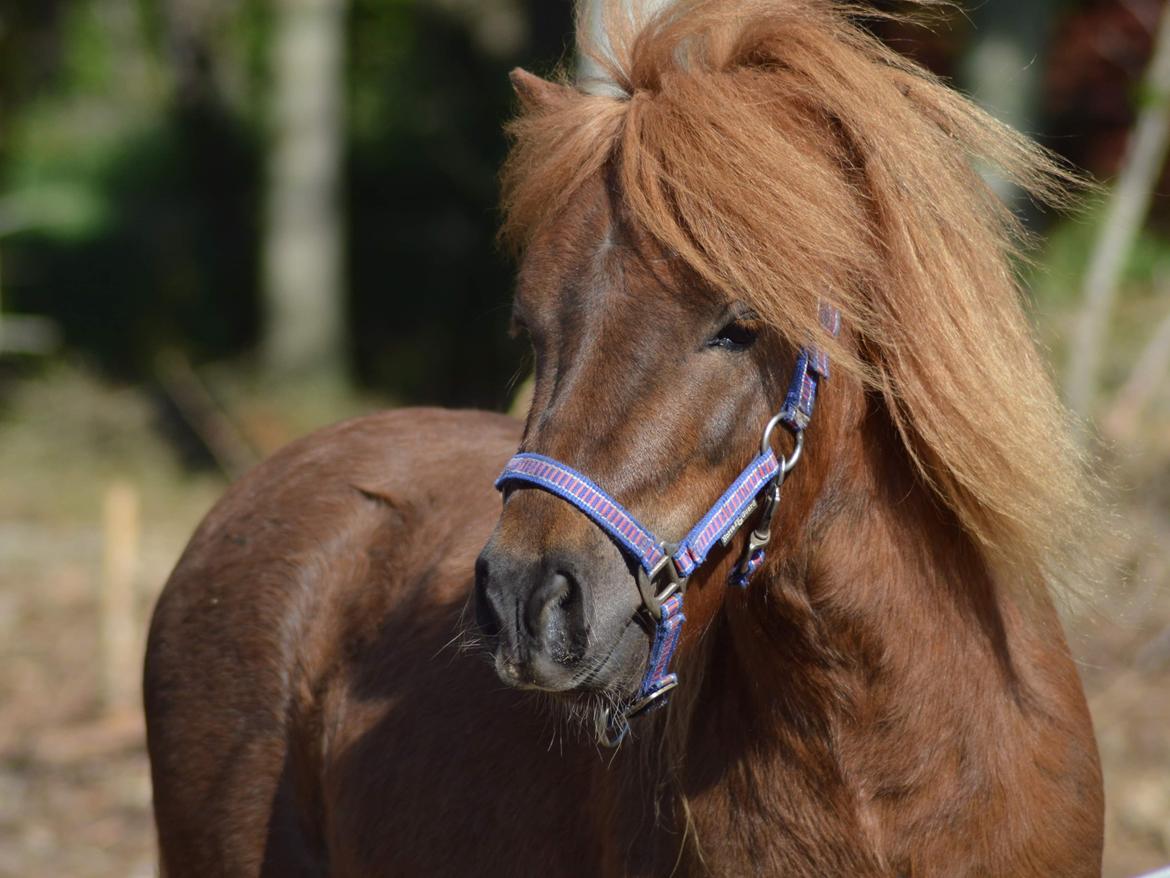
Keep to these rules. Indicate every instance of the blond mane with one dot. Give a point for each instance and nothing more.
(790, 157)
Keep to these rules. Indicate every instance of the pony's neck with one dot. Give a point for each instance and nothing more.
(874, 581)
(827, 689)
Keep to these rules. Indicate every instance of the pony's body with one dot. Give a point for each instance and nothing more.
(305, 706)
(311, 715)
(891, 696)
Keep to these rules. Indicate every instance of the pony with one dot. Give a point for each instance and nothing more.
(363, 666)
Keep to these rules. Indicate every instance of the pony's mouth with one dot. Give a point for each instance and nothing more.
(612, 670)
(602, 673)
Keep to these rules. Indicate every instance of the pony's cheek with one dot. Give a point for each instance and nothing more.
(705, 597)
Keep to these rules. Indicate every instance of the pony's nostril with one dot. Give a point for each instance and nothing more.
(552, 617)
(544, 602)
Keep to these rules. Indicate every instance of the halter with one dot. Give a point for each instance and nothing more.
(662, 569)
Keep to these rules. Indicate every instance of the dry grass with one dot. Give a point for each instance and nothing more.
(74, 792)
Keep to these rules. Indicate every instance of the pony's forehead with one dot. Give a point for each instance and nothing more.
(596, 244)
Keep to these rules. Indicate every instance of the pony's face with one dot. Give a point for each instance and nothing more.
(658, 391)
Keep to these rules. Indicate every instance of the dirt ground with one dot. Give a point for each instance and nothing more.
(74, 787)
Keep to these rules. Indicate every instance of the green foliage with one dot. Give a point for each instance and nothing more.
(132, 176)
(425, 145)
(67, 212)
(134, 214)
(1065, 256)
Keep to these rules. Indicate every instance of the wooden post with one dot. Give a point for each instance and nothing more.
(118, 619)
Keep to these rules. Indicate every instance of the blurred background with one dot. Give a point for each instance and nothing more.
(226, 222)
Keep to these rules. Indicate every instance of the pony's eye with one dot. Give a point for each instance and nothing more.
(735, 336)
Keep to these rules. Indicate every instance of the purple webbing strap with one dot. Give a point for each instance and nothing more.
(568, 484)
(812, 365)
(742, 576)
(666, 635)
(727, 513)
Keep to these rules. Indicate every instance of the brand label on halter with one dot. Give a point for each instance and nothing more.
(738, 523)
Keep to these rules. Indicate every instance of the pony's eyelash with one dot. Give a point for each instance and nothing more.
(740, 327)
(737, 335)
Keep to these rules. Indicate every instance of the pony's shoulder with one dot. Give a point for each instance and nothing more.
(411, 452)
(382, 488)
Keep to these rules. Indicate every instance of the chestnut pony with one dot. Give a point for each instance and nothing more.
(891, 694)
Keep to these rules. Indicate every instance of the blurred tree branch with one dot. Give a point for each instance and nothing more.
(1146, 377)
(220, 435)
(1128, 205)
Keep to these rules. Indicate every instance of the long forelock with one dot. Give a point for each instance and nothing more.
(790, 158)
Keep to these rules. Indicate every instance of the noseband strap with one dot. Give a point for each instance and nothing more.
(658, 561)
(634, 538)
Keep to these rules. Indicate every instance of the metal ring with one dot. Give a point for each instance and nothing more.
(609, 735)
(766, 442)
(786, 463)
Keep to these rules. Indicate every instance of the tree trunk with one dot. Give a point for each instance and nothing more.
(1003, 65)
(304, 322)
(590, 76)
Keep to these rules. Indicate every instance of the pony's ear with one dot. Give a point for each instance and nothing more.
(536, 93)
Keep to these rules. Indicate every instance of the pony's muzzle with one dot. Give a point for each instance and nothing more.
(534, 614)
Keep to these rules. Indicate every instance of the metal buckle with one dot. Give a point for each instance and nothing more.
(651, 599)
(643, 704)
(763, 529)
(761, 534)
(609, 733)
(613, 727)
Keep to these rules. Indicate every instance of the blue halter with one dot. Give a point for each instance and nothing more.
(658, 560)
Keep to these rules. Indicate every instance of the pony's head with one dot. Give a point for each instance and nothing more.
(676, 242)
